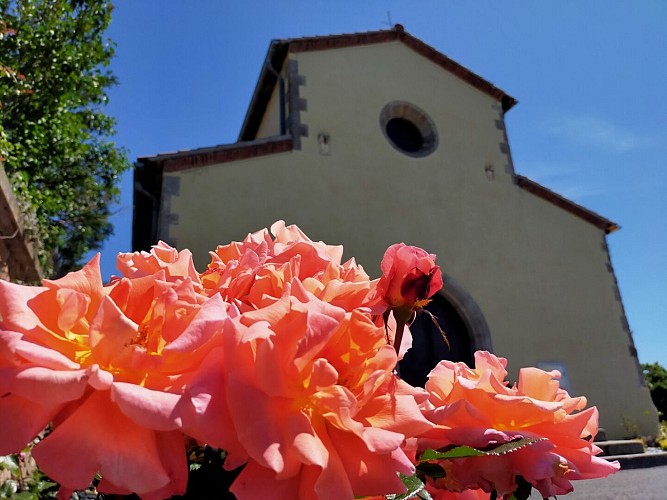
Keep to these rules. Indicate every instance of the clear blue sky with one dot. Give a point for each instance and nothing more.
(590, 78)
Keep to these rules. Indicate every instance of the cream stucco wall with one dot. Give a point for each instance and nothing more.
(539, 274)
(270, 125)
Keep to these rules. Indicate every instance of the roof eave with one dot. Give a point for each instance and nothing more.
(225, 153)
(569, 206)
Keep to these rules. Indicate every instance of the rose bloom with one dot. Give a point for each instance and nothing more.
(108, 366)
(307, 395)
(162, 257)
(303, 389)
(409, 276)
(253, 273)
(476, 407)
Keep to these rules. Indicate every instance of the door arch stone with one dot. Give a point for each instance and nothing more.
(470, 312)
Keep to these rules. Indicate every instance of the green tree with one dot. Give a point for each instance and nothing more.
(656, 378)
(54, 78)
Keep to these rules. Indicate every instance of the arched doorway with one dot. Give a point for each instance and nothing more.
(428, 345)
(460, 318)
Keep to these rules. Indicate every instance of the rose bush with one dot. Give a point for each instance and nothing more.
(280, 355)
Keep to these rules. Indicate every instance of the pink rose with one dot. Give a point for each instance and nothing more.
(253, 273)
(476, 407)
(409, 276)
(109, 366)
(309, 396)
(177, 265)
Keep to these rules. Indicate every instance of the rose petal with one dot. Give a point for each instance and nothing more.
(14, 310)
(213, 423)
(170, 446)
(21, 420)
(158, 410)
(49, 387)
(110, 332)
(15, 344)
(87, 280)
(256, 481)
(209, 320)
(98, 437)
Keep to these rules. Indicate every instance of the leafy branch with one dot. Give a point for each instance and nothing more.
(427, 468)
(54, 136)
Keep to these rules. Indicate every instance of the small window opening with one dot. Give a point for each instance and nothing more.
(408, 129)
(405, 134)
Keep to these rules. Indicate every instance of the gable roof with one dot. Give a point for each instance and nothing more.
(279, 49)
(149, 170)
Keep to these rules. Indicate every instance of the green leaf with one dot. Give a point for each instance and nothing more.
(26, 495)
(457, 452)
(467, 451)
(10, 463)
(414, 487)
(8, 489)
(424, 495)
(43, 485)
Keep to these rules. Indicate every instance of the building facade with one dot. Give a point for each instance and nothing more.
(375, 138)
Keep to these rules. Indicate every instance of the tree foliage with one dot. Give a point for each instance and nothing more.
(54, 137)
(656, 378)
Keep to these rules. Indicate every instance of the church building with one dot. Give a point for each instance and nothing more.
(374, 138)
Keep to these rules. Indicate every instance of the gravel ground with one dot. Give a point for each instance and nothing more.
(641, 484)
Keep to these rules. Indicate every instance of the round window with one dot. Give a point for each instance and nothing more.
(408, 129)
